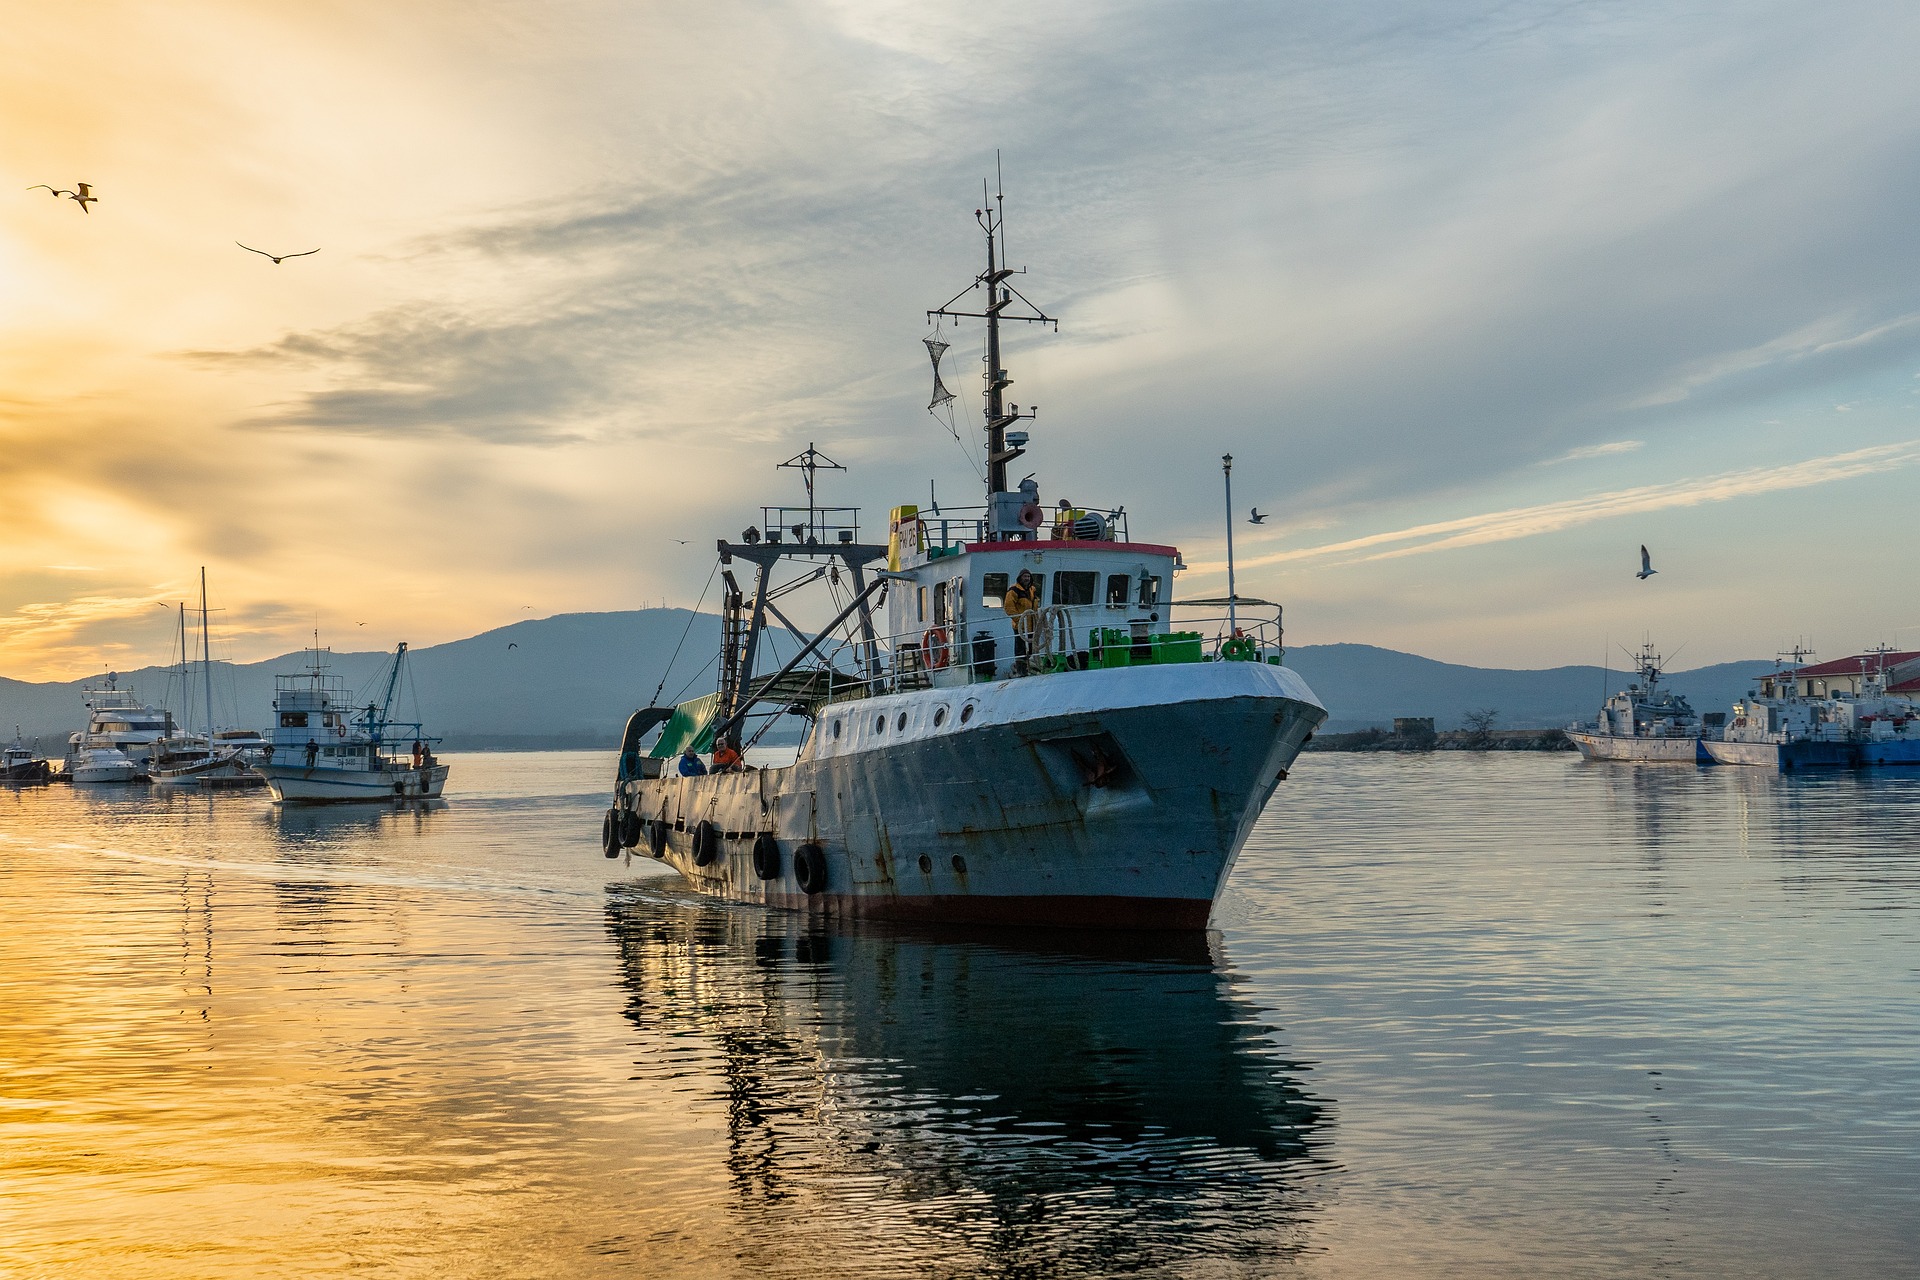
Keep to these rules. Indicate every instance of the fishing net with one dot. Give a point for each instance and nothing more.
(935, 350)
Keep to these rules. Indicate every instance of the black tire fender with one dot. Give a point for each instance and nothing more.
(766, 856)
(610, 833)
(810, 867)
(706, 845)
(629, 828)
(657, 837)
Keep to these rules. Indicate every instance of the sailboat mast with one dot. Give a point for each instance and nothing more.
(206, 657)
(186, 689)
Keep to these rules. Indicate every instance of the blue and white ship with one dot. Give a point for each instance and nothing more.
(1859, 711)
(1080, 764)
(323, 749)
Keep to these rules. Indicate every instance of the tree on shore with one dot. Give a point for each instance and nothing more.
(1479, 726)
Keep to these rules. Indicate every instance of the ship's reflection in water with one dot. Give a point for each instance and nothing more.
(932, 1103)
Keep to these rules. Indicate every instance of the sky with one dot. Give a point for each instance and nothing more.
(1480, 297)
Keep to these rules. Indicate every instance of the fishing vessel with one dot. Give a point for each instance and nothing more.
(117, 743)
(1643, 722)
(21, 763)
(1001, 723)
(323, 748)
(1862, 710)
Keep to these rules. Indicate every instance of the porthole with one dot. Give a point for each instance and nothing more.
(926, 865)
(836, 728)
(879, 724)
(939, 716)
(966, 713)
(901, 723)
(959, 864)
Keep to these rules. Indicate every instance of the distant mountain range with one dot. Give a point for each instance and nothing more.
(571, 680)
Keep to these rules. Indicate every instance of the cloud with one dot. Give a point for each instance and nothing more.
(1551, 517)
(1596, 451)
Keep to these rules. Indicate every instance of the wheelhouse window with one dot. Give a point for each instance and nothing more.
(1071, 586)
(939, 605)
(1149, 591)
(993, 590)
(1119, 587)
(293, 719)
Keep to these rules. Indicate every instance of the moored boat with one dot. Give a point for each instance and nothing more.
(1021, 737)
(21, 763)
(1643, 722)
(119, 727)
(1859, 711)
(322, 749)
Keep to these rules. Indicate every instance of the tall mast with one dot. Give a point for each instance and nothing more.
(206, 656)
(1000, 296)
(186, 689)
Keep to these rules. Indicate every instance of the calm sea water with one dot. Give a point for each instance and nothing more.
(1461, 1016)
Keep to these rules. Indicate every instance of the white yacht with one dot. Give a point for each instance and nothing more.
(323, 749)
(121, 731)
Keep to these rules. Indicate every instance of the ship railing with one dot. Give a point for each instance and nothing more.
(806, 526)
(949, 530)
(1259, 624)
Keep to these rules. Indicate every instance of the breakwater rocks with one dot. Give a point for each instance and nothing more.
(1461, 740)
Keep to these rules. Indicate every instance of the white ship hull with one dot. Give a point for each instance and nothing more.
(1614, 746)
(98, 766)
(1103, 799)
(295, 784)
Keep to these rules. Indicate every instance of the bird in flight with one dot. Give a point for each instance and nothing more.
(82, 197)
(511, 645)
(1256, 517)
(277, 258)
(681, 541)
(1646, 566)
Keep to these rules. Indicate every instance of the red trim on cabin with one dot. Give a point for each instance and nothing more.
(1076, 544)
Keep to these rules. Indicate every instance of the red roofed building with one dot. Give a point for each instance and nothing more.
(1846, 676)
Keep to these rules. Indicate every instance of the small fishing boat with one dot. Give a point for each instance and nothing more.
(20, 763)
(1859, 711)
(323, 749)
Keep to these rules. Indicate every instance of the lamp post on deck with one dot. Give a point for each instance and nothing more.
(1233, 621)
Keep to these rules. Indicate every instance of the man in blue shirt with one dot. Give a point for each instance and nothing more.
(690, 766)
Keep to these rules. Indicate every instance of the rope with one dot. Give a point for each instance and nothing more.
(655, 700)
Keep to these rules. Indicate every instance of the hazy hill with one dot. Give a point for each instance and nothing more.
(572, 679)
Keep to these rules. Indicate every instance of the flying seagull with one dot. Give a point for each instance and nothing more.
(1646, 566)
(511, 645)
(277, 259)
(82, 197)
(1256, 517)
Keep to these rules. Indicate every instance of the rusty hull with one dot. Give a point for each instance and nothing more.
(1123, 817)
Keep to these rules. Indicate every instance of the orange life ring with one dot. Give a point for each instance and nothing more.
(934, 646)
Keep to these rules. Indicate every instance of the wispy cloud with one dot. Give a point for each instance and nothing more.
(1595, 451)
(1551, 517)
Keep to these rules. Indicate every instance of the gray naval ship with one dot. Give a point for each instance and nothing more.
(1643, 722)
(1003, 724)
